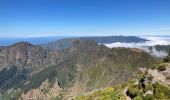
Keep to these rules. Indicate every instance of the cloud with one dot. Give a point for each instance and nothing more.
(152, 41)
(154, 52)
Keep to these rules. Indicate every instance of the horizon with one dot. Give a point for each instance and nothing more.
(154, 39)
(68, 36)
(37, 18)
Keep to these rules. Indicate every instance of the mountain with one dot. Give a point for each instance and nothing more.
(21, 60)
(79, 67)
(26, 56)
(160, 51)
(67, 42)
(112, 39)
(165, 48)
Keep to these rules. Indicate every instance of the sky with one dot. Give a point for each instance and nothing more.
(38, 18)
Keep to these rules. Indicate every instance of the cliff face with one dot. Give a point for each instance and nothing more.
(24, 55)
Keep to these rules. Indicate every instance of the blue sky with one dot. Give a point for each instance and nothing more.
(36, 18)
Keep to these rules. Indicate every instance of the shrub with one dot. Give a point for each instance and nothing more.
(150, 78)
(162, 67)
(155, 66)
(134, 91)
(138, 98)
(148, 97)
(161, 92)
(106, 94)
(148, 87)
(167, 59)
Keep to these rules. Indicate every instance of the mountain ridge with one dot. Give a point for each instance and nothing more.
(67, 42)
(81, 65)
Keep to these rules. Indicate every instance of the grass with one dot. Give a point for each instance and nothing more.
(106, 94)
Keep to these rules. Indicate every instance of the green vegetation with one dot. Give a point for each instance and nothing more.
(148, 87)
(138, 98)
(36, 80)
(162, 67)
(161, 91)
(91, 65)
(10, 94)
(50, 74)
(10, 78)
(109, 93)
(148, 97)
(167, 58)
(134, 91)
(149, 91)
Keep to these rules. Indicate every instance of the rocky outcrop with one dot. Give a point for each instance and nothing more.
(24, 55)
(161, 76)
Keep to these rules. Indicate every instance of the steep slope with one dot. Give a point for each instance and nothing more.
(149, 84)
(21, 60)
(90, 66)
(24, 55)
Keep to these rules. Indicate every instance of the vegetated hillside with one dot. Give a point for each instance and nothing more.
(21, 60)
(90, 66)
(87, 58)
(81, 67)
(66, 43)
(149, 84)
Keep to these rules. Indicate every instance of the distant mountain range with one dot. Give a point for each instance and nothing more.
(43, 40)
(64, 43)
(157, 46)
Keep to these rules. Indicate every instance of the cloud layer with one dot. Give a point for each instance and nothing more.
(152, 41)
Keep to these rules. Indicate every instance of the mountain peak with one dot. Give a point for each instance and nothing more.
(21, 44)
(84, 43)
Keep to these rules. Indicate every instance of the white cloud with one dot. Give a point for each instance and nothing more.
(152, 41)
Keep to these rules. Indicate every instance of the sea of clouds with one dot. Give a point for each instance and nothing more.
(152, 41)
